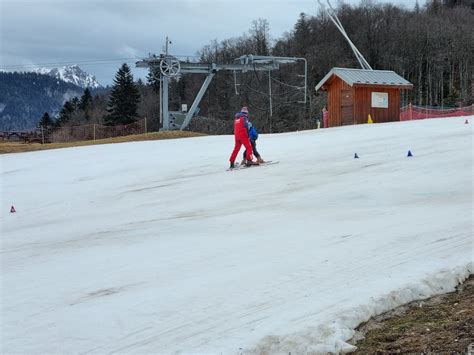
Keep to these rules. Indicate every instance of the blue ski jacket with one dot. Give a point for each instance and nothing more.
(253, 134)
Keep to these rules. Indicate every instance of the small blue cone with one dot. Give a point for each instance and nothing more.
(409, 154)
(356, 156)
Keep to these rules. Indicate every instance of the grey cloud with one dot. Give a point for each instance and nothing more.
(71, 30)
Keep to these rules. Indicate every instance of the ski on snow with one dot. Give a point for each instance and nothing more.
(240, 166)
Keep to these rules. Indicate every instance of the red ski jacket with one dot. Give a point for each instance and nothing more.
(241, 125)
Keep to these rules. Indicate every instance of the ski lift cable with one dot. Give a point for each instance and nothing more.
(333, 17)
(331, 12)
(286, 103)
(358, 54)
(364, 64)
(278, 81)
(273, 94)
(256, 75)
(235, 84)
(285, 84)
(282, 83)
(83, 62)
(298, 88)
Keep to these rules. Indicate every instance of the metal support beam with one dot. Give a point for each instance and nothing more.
(242, 64)
(270, 92)
(205, 68)
(333, 17)
(166, 115)
(161, 102)
(197, 100)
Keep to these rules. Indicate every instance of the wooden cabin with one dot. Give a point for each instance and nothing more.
(353, 94)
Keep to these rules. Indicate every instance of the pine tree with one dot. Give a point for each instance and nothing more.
(417, 7)
(86, 100)
(75, 102)
(85, 104)
(45, 121)
(66, 112)
(124, 98)
(302, 34)
(153, 78)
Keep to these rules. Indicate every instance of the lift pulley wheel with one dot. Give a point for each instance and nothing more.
(170, 66)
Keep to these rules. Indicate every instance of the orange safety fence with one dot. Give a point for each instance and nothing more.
(96, 131)
(412, 112)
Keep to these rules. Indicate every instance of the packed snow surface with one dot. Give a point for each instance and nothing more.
(153, 247)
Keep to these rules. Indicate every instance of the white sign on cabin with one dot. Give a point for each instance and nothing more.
(380, 99)
(184, 108)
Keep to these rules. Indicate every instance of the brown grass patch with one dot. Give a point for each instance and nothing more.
(15, 147)
(442, 324)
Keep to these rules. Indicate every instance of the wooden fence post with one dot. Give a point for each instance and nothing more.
(146, 131)
(94, 131)
(410, 114)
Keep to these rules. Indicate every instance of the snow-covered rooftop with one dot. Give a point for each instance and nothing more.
(366, 77)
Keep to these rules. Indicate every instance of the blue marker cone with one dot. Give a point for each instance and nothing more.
(409, 154)
(356, 156)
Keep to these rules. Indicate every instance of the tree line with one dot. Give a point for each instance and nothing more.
(430, 46)
(24, 97)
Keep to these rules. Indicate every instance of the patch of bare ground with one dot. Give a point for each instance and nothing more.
(11, 147)
(442, 324)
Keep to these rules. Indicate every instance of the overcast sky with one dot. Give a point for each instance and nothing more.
(34, 32)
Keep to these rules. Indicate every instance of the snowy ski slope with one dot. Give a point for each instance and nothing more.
(153, 247)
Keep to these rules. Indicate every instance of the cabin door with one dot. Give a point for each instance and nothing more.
(347, 107)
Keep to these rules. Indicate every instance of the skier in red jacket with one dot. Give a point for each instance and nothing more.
(241, 128)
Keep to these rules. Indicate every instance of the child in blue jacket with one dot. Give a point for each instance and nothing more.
(253, 136)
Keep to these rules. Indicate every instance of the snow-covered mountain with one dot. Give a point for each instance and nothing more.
(71, 74)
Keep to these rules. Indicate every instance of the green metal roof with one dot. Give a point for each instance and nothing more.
(366, 77)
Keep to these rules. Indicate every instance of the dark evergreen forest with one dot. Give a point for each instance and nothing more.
(25, 97)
